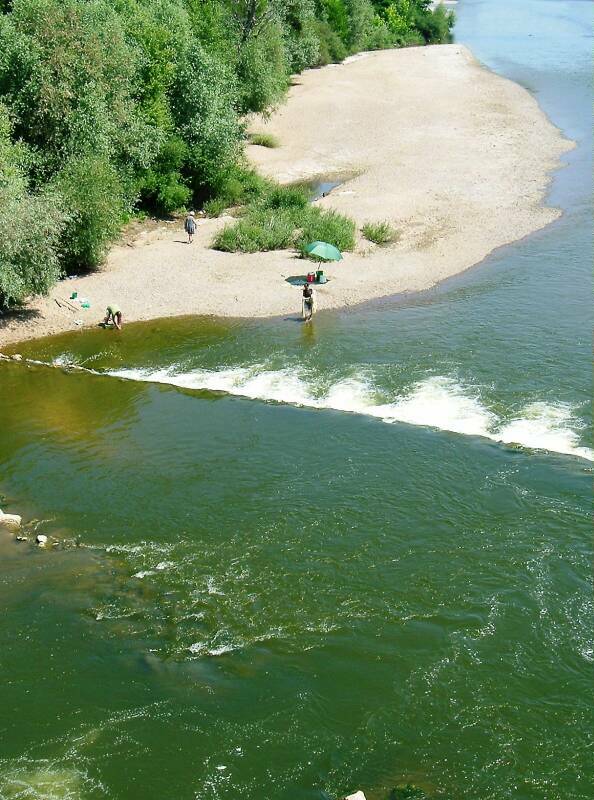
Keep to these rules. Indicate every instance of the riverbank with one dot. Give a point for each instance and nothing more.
(455, 157)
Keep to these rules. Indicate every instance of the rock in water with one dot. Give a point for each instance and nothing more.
(357, 796)
(41, 539)
(12, 521)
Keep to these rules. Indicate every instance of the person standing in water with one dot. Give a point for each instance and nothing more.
(113, 315)
(307, 302)
(190, 226)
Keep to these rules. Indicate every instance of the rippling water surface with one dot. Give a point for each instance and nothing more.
(265, 591)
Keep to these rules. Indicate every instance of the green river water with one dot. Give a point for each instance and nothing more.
(300, 560)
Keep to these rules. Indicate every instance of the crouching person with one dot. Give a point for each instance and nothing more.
(114, 315)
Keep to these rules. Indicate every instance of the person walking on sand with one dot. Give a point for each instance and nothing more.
(190, 226)
(113, 315)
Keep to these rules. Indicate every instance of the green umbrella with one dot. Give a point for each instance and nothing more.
(324, 250)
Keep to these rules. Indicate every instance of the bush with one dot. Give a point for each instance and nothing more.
(302, 47)
(263, 72)
(263, 139)
(241, 186)
(435, 27)
(204, 103)
(215, 206)
(162, 187)
(260, 230)
(286, 197)
(253, 186)
(31, 226)
(278, 217)
(335, 14)
(332, 48)
(327, 226)
(379, 232)
(361, 24)
(93, 195)
(29, 245)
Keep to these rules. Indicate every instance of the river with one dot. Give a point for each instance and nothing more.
(299, 560)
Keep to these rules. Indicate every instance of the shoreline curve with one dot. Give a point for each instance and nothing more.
(457, 158)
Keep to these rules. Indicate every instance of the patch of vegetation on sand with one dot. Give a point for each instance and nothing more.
(380, 232)
(280, 217)
(326, 226)
(264, 140)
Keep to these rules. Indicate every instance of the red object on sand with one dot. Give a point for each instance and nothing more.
(311, 277)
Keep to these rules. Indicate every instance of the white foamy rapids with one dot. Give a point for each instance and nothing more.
(546, 427)
(436, 402)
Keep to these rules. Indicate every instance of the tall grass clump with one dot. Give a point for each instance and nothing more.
(380, 232)
(286, 197)
(282, 217)
(258, 231)
(264, 140)
(326, 226)
(214, 207)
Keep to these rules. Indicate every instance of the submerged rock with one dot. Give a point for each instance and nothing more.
(12, 521)
(407, 791)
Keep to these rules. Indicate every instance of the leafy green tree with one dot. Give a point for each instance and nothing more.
(94, 197)
(111, 104)
(162, 187)
(263, 71)
(298, 25)
(205, 98)
(31, 226)
(361, 24)
(67, 74)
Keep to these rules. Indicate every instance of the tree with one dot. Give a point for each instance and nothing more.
(205, 97)
(31, 226)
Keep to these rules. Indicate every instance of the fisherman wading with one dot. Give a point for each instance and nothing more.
(307, 302)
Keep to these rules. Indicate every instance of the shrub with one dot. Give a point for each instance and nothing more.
(280, 216)
(204, 100)
(361, 24)
(241, 185)
(29, 246)
(264, 139)
(215, 206)
(332, 48)
(262, 71)
(162, 187)
(94, 197)
(327, 226)
(435, 26)
(335, 14)
(31, 226)
(302, 46)
(261, 230)
(379, 232)
(253, 186)
(287, 197)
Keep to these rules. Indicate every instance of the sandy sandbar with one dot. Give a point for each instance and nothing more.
(455, 157)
